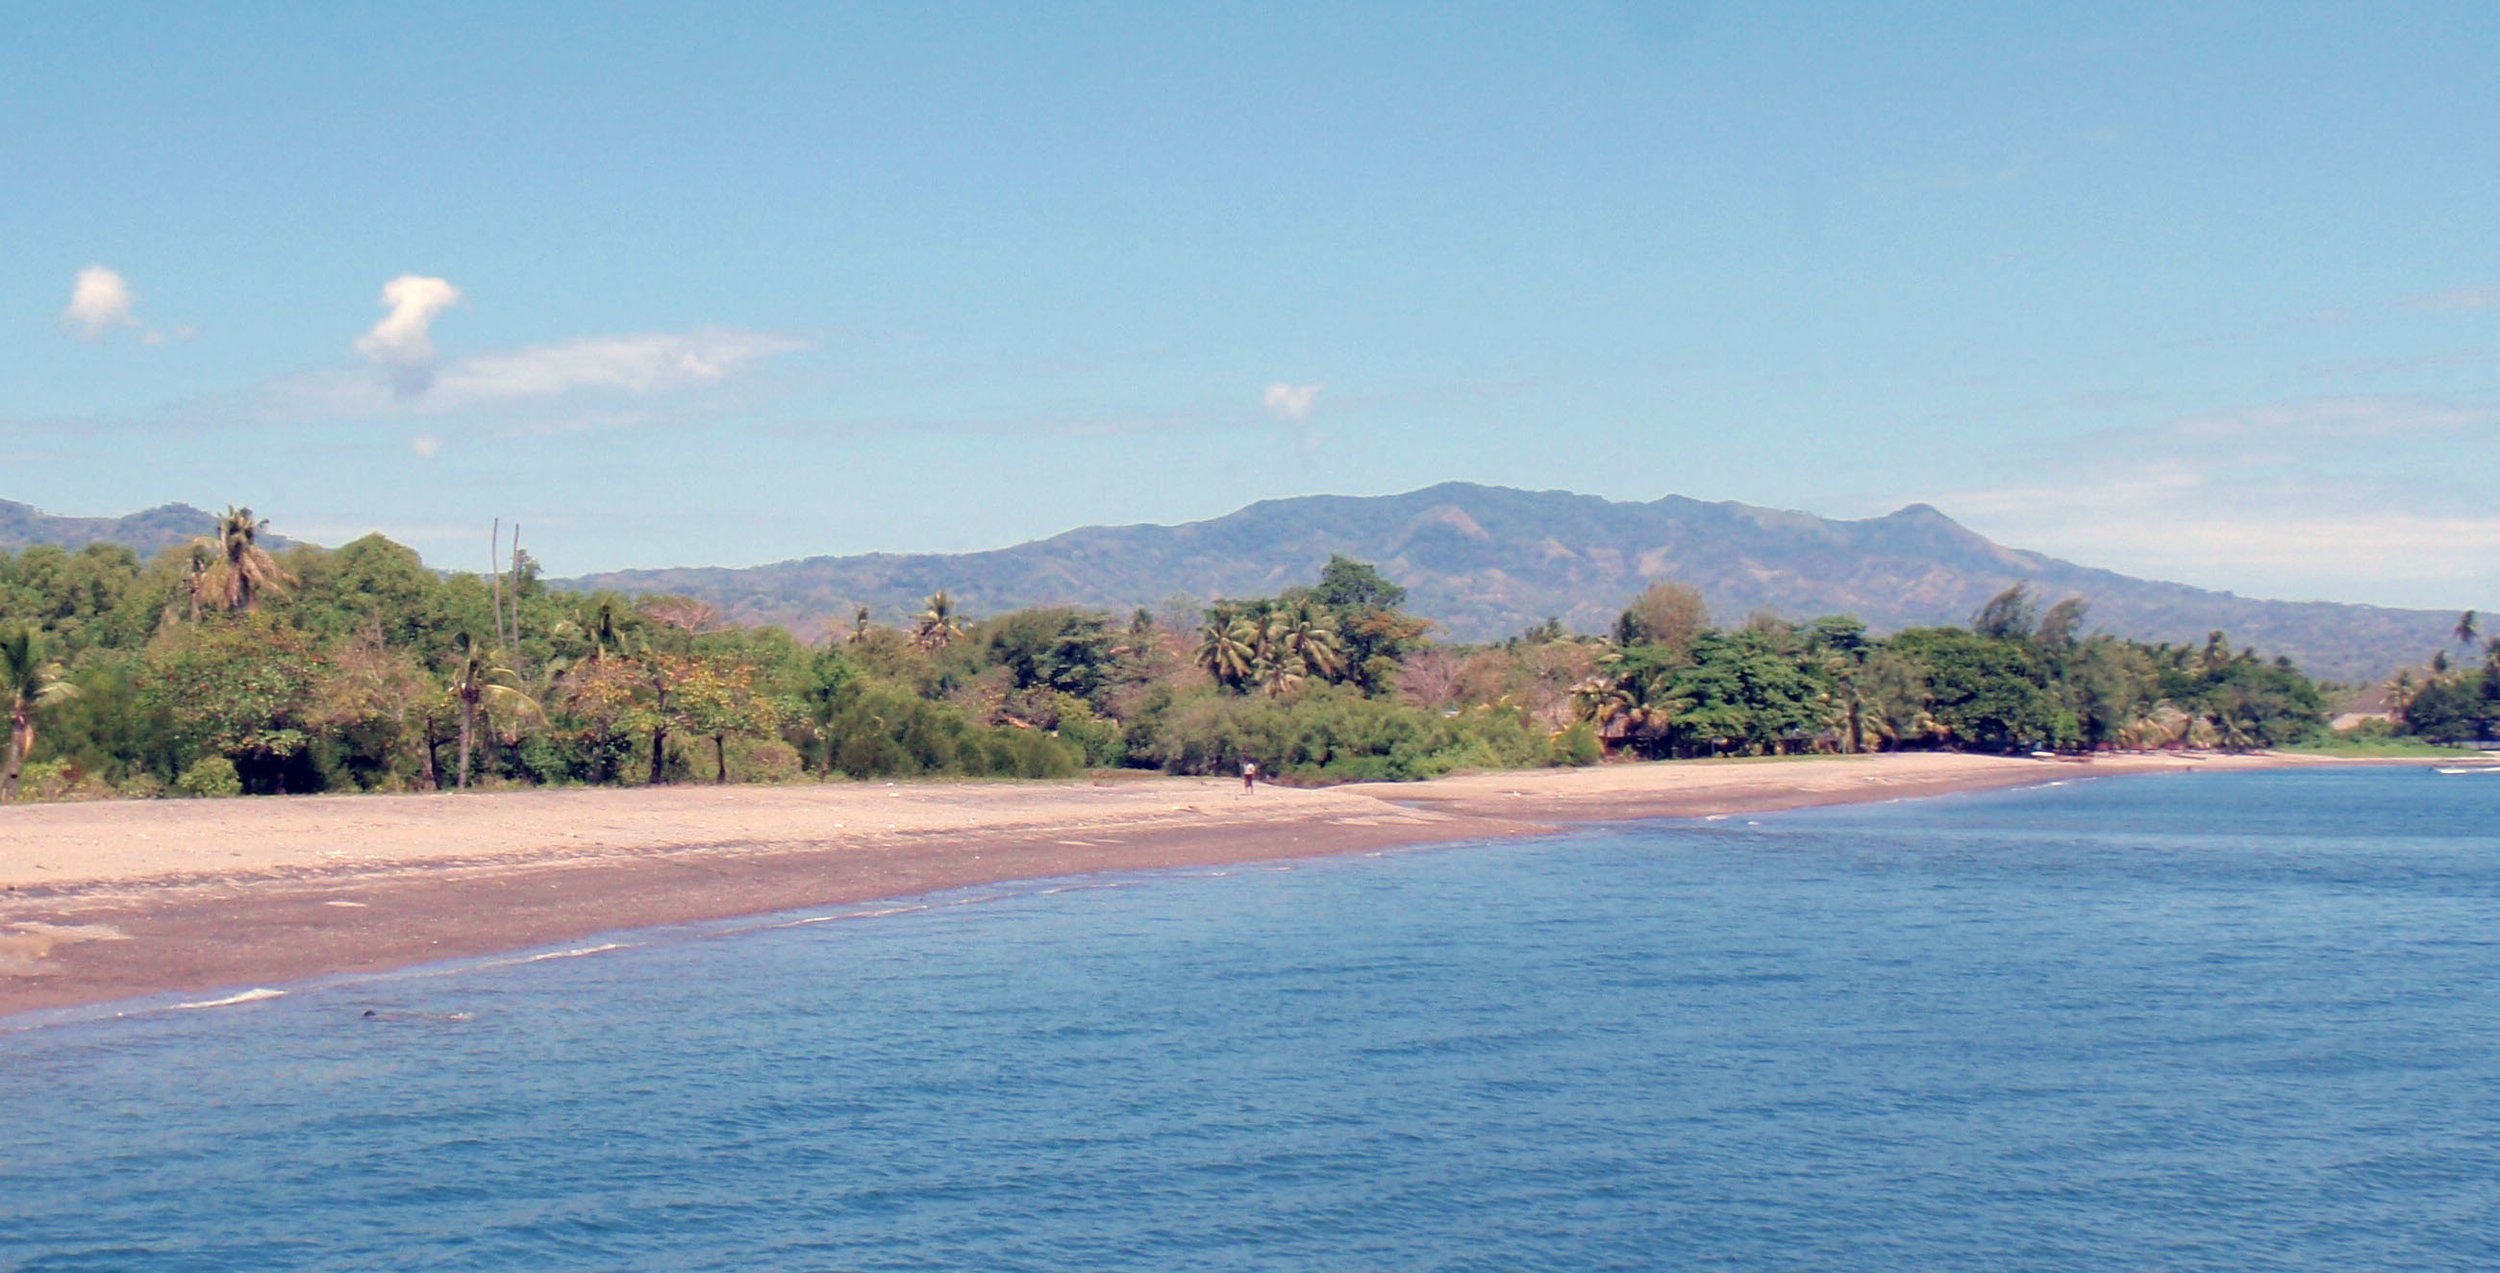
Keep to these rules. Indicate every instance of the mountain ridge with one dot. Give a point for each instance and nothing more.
(1484, 562)
(146, 532)
(1487, 561)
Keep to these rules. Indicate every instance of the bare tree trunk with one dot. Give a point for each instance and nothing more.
(494, 589)
(659, 739)
(720, 757)
(425, 754)
(514, 592)
(21, 742)
(468, 731)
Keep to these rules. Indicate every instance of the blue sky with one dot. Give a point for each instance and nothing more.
(2203, 292)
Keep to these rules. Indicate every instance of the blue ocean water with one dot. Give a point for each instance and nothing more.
(2213, 1022)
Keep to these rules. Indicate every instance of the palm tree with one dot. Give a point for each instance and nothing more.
(2400, 692)
(1227, 644)
(602, 632)
(1309, 634)
(859, 624)
(195, 578)
(240, 570)
(2466, 630)
(30, 681)
(937, 627)
(481, 683)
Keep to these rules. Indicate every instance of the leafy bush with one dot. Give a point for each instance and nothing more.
(1331, 733)
(877, 731)
(1578, 745)
(211, 777)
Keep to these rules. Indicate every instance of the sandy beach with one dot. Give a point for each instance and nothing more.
(110, 900)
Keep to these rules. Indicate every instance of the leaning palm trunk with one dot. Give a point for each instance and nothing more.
(468, 734)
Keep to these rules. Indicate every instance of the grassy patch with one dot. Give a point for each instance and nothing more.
(2372, 747)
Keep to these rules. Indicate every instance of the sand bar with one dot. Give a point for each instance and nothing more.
(111, 900)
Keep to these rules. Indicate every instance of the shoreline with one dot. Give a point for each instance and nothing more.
(127, 899)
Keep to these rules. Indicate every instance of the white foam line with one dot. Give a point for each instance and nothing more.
(248, 996)
(579, 950)
(827, 919)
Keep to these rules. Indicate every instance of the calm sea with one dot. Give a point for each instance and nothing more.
(2211, 1022)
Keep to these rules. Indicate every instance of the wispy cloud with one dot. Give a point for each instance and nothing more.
(403, 342)
(1291, 401)
(649, 363)
(2354, 418)
(99, 301)
(2352, 499)
(634, 366)
(2454, 298)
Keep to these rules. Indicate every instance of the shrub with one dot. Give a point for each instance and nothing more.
(1330, 733)
(1578, 745)
(211, 777)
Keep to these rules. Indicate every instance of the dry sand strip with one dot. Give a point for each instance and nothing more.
(112, 900)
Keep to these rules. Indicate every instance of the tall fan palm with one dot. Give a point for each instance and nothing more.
(29, 680)
(937, 627)
(481, 683)
(239, 571)
(2467, 630)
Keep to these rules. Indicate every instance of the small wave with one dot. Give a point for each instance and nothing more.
(827, 919)
(576, 951)
(249, 996)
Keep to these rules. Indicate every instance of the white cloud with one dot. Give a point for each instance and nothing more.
(597, 368)
(655, 362)
(403, 341)
(425, 445)
(2347, 499)
(1290, 401)
(99, 301)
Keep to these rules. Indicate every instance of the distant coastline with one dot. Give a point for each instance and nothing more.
(112, 900)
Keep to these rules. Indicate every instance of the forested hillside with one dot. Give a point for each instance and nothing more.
(1485, 561)
(1479, 562)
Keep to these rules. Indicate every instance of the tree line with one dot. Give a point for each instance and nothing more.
(222, 668)
(2451, 701)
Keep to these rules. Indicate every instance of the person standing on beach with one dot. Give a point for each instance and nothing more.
(1249, 774)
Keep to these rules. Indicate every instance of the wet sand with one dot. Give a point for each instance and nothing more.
(113, 900)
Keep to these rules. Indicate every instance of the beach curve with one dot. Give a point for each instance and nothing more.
(115, 900)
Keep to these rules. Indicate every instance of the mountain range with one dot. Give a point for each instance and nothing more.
(150, 532)
(1487, 561)
(1484, 562)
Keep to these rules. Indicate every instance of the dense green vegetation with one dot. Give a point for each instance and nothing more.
(2451, 702)
(2015, 680)
(220, 668)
